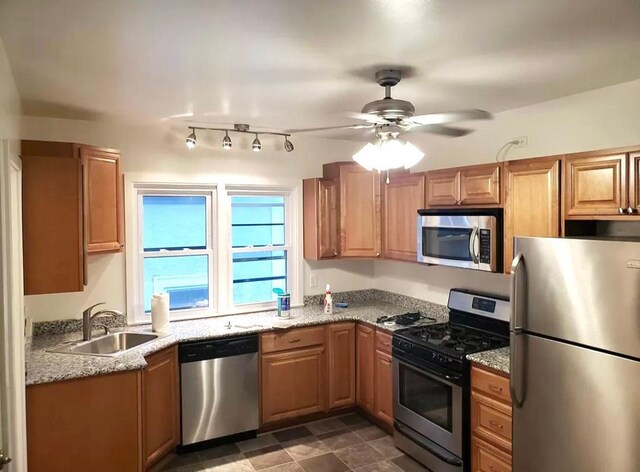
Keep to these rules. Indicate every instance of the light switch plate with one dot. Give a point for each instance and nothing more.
(313, 280)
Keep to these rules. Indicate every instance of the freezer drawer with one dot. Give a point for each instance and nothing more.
(579, 408)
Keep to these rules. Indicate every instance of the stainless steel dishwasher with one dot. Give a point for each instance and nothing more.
(219, 388)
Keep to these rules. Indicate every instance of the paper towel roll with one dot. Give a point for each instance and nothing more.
(160, 312)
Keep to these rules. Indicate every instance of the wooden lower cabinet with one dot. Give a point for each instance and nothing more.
(365, 380)
(383, 402)
(292, 383)
(89, 424)
(491, 429)
(341, 364)
(161, 399)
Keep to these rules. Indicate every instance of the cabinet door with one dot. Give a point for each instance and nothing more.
(403, 197)
(103, 213)
(292, 384)
(480, 185)
(634, 182)
(487, 458)
(595, 184)
(532, 201)
(383, 388)
(161, 400)
(88, 424)
(329, 233)
(443, 187)
(341, 364)
(365, 381)
(52, 218)
(359, 212)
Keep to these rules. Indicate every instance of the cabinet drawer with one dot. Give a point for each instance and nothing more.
(383, 342)
(293, 339)
(487, 458)
(491, 420)
(491, 384)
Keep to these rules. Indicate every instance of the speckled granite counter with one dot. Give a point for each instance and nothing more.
(497, 359)
(43, 366)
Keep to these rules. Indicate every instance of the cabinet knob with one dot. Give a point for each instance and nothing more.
(335, 253)
(630, 210)
(377, 254)
(621, 211)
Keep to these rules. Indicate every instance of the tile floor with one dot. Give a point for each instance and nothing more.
(337, 444)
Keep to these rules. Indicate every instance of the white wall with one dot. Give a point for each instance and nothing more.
(9, 100)
(159, 153)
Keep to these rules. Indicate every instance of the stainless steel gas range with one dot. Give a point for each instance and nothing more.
(431, 378)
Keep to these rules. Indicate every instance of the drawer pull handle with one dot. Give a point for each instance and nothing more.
(291, 341)
(495, 425)
(495, 388)
(493, 469)
(384, 343)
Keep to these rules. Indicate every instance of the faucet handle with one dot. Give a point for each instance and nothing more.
(88, 310)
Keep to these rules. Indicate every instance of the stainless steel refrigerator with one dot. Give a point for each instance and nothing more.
(575, 355)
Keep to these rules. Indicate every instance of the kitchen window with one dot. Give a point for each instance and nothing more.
(175, 251)
(260, 248)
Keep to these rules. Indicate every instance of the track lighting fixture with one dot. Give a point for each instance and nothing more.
(256, 145)
(288, 145)
(226, 142)
(191, 139)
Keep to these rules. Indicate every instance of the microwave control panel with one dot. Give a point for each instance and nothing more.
(485, 246)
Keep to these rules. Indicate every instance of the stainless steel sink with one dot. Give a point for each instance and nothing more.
(108, 345)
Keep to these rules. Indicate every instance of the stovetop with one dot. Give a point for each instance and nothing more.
(453, 339)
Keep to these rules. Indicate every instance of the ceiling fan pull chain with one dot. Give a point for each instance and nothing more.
(388, 181)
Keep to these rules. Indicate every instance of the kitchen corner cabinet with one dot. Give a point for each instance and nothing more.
(161, 400)
(359, 201)
(89, 424)
(474, 185)
(292, 371)
(383, 375)
(321, 219)
(491, 418)
(365, 382)
(403, 196)
(532, 201)
(341, 364)
(71, 207)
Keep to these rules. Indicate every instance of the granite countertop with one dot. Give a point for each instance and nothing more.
(497, 359)
(43, 366)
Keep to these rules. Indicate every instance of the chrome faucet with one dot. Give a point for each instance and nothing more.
(88, 319)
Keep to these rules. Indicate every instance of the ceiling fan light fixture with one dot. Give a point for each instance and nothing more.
(388, 152)
(256, 145)
(226, 141)
(191, 139)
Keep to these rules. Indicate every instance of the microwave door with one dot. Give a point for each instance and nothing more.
(450, 240)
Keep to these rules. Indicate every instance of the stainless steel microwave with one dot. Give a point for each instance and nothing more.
(466, 238)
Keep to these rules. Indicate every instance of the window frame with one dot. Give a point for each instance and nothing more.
(137, 256)
(289, 247)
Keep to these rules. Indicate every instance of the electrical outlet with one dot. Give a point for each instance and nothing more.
(313, 280)
(522, 142)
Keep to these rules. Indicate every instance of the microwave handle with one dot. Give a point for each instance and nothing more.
(472, 245)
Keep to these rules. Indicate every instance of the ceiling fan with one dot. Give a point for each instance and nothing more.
(391, 116)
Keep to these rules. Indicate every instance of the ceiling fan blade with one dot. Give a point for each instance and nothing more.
(326, 128)
(450, 116)
(439, 129)
(368, 117)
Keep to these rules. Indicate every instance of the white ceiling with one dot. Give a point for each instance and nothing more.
(282, 64)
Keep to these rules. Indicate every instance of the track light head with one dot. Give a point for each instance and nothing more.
(226, 141)
(256, 145)
(191, 139)
(288, 145)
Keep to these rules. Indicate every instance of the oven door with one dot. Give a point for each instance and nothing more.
(428, 404)
(458, 240)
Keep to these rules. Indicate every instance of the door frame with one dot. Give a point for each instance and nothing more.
(12, 340)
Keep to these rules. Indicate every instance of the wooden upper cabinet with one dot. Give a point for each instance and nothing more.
(359, 209)
(443, 187)
(365, 381)
(402, 198)
(341, 364)
(532, 201)
(473, 185)
(103, 218)
(321, 219)
(52, 218)
(634, 182)
(480, 185)
(595, 184)
(161, 399)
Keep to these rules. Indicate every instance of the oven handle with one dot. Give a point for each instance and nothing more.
(427, 371)
(472, 245)
(452, 460)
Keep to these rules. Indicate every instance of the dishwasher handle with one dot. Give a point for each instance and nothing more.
(217, 348)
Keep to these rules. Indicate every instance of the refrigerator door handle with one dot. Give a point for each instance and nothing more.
(515, 297)
(516, 337)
